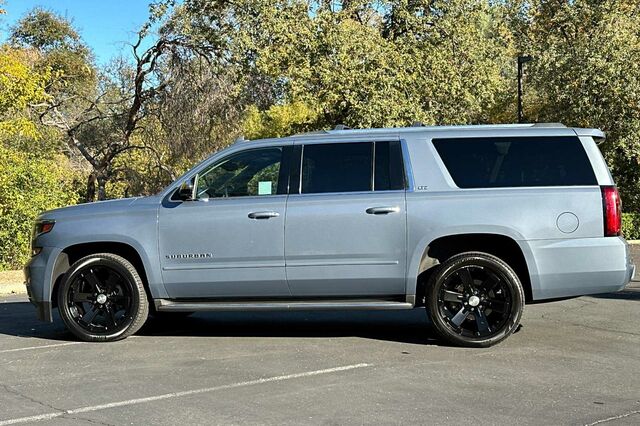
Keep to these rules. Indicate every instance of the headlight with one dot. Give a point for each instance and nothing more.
(42, 227)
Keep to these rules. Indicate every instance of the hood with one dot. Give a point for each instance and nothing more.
(95, 208)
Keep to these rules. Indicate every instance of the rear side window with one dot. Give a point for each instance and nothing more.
(513, 162)
(389, 167)
(337, 167)
(352, 167)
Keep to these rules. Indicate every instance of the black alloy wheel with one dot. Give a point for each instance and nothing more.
(102, 298)
(475, 299)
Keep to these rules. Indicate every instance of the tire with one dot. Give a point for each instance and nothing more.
(102, 298)
(475, 300)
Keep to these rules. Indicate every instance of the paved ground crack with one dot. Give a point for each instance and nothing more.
(95, 422)
(15, 392)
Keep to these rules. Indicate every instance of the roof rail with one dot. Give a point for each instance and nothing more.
(417, 124)
(548, 125)
(313, 132)
(341, 127)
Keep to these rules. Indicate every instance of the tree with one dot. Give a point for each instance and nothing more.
(20, 85)
(366, 63)
(586, 73)
(100, 117)
(33, 177)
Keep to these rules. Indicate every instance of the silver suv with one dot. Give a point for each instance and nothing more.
(470, 222)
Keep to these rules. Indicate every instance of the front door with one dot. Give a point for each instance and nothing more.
(228, 241)
(346, 227)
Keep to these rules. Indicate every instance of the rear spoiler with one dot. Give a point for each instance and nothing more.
(597, 134)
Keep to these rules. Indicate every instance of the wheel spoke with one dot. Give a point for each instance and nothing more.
(467, 279)
(92, 280)
(118, 297)
(111, 282)
(111, 317)
(482, 322)
(82, 297)
(459, 318)
(452, 296)
(490, 283)
(88, 317)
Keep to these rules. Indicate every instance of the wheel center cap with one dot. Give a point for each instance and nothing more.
(103, 298)
(474, 301)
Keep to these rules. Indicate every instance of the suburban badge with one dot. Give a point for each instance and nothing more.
(189, 256)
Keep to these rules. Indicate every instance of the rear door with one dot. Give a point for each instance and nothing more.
(345, 230)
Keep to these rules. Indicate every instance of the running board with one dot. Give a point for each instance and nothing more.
(166, 305)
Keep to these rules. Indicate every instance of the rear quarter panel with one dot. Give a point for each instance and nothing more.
(560, 263)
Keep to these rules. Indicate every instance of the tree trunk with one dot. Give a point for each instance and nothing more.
(90, 196)
(102, 192)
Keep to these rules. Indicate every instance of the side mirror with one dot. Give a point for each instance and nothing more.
(185, 192)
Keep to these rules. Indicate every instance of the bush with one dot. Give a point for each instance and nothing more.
(631, 226)
(28, 186)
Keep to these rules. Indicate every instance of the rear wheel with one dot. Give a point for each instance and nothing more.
(475, 299)
(102, 298)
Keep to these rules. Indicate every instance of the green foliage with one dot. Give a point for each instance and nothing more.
(20, 86)
(28, 186)
(60, 50)
(278, 120)
(34, 175)
(586, 73)
(631, 226)
(365, 64)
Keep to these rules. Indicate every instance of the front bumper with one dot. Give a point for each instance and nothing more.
(38, 275)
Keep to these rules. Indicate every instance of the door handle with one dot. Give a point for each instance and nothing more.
(263, 215)
(382, 210)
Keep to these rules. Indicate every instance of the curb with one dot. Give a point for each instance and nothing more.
(12, 282)
(7, 289)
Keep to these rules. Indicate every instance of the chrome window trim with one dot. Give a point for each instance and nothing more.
(392, 191)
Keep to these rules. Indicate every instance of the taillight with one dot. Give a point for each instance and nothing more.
(612, 211)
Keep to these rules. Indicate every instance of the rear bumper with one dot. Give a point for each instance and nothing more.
(575, 267)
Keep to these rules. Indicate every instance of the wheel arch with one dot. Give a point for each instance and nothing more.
(72, 253)
(442, 247)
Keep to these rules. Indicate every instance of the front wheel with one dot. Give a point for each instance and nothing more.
(474, 299)
(102, 298)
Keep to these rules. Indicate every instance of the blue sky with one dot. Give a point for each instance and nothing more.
(105, 25)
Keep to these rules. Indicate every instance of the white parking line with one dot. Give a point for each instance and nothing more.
(610, 419)
(49, 416)
(4, 351)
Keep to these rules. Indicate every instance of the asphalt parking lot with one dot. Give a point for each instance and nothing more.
(573, 362)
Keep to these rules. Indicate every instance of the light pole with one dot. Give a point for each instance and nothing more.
(522, 59)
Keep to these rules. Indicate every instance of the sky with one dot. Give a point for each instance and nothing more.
(105, 25)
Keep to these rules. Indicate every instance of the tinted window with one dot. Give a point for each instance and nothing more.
(510, 162)
(337, 167)
(389, 170)
(247, 173)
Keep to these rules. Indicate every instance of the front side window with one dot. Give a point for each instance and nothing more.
(254, 172)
